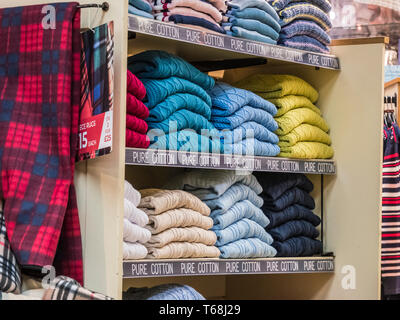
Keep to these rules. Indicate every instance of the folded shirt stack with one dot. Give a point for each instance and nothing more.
(238, 222)
(305, 24)
(169, 291)
(252, 19)
(194, 13)
(141, 8)
(135, 234)
(179, 224)
(136, 114)
(288, 206)
(180, 107)
(302, 131)
(245, 121)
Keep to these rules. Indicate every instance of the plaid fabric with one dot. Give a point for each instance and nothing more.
(10, 275)
(39, 111)
(64, 288)
(98, 48)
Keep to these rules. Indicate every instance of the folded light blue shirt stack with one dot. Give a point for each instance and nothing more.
(235, 204)
(245, 120)
(140, 8)
(305, 24)
(252, 19)
(177, 98)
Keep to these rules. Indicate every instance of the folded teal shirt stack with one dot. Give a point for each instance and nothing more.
(252, 19)
(288, 207)
(245, 120)
(235, 204)
(140, 8)
(305, 24)
(180, 107)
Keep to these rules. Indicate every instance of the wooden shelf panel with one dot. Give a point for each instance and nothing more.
(205, 267)
(182, 159)
(222, 42)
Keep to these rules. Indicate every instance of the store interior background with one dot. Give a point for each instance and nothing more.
(370, 18)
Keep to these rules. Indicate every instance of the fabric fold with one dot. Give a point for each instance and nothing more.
(247, 248)
(135, 215)
(304, 133)
(296, 117)
(211, 184)
(177, 250)
(242, 229)
(182, 234)
(273, 86)
(237, 192)
(133, 251)
(157, 201)
(175, 218)
(157, 64)
(293, 228)
(240, 210)
(307, 150)
(293, 212)
(134, 233)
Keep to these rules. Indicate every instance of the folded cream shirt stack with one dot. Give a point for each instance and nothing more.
(179, 223)
(135, 234)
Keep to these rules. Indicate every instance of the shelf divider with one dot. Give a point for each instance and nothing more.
(205, 267)
(183, 159)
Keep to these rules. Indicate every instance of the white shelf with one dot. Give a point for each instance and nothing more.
(182, 159)
(223, 42)
(205, 267)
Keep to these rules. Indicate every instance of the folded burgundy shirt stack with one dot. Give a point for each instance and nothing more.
(136, 114)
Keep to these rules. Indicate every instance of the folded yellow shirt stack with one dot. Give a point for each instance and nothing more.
(303, 133)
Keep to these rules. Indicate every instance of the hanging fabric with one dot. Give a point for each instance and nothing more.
(97, 73)
(39, 113)
(390, 250)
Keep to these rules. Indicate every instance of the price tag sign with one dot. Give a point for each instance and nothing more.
(95, 136)
(97, 93)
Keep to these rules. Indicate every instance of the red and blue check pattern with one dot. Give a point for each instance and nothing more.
(39, 111)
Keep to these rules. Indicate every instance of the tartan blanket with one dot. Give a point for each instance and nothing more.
(39, 113)
(10, 275)
(64, 288)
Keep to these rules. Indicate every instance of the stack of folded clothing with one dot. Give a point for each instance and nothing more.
(179, 223)
(288, 205)
(141, 8)
(252, 19)
(305, 24)
(163, 292)
(245, 120)
(136, 113)
(233, 198)
(135, 234)
(180, 107)
(302, 131)
(197, 13)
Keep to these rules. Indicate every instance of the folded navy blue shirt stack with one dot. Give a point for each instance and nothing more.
(305, 24)
(288, 206)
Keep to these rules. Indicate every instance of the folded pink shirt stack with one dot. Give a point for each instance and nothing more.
(136, 114)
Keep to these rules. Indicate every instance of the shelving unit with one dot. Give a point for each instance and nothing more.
(351, 100)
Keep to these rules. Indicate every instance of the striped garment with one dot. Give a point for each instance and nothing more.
(390, 250)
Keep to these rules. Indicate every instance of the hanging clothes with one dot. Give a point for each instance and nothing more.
(39, 112)
(390, 250)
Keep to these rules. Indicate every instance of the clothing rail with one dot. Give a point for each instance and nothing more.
(104, 6)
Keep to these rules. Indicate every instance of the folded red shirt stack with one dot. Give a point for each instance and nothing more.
(136, 113)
